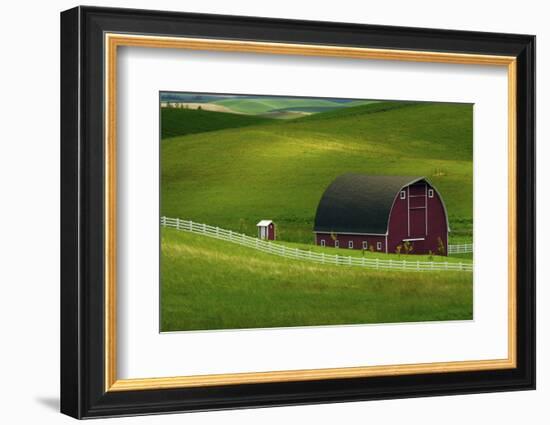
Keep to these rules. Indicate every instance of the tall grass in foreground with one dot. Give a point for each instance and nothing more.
(212, 284)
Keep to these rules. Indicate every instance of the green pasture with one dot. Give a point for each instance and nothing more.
(212, 284)
(263, 105)
(344, 251)
(181, 122)
(228, 172)
(259, 105)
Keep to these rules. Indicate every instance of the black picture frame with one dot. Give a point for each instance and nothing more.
(82, 219)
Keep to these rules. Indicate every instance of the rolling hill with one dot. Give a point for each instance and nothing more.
(258, 106)
(180, 122)
(233, 173)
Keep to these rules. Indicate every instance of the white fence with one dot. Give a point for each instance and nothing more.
(460, 249)
(301, 254)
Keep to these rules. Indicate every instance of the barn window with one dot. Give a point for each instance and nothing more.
(378, 246)
(365, 245)
(430, 193)
(322, 242)
(402, 194)
(350, 244)
(336, 243)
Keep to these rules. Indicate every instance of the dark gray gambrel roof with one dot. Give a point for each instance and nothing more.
(357, 203)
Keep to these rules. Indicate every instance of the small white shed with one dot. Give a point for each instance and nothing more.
(266, 230)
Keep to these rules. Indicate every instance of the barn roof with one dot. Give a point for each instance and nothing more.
(358, 203)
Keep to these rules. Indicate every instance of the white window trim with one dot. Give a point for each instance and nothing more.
(336, 243)
(430, 193)
(323, 242)
(379, 246)
(365, 245)
(402, 195)
(350, 244)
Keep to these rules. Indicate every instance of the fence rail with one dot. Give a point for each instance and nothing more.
(301, 254)
(460, 249)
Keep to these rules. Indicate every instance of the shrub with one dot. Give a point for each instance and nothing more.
(440, 247)
(398, 249)
(407, 247)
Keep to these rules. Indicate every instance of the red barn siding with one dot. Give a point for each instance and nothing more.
(358, 240)
(417, 216)
(437, 223)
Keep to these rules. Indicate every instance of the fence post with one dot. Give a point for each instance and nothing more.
(177, 223)
(203, 227)
(190, 224)
(337, 262)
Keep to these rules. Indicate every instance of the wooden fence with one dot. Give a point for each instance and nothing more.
(460, 249)
(301, 254)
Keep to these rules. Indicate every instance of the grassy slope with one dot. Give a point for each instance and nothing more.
(282, 114)
(343, 251)
(262, 106)
(318, 108)
(210, 284)
(234, 177)
(180, 122)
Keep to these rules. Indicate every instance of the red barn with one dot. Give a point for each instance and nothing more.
(266, 230)
(381, 212)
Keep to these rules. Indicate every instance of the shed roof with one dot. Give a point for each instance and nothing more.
(263, 223)
(358, 203)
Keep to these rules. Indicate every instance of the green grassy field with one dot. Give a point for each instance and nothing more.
(181, 122)
(278, 169)
(458, 258)
(232, 170)
(212, 284)
(268, 104)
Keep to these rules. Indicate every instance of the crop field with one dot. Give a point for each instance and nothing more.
(234, 169)
(253, 106)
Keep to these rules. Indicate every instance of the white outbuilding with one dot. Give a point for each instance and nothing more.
(266, 230)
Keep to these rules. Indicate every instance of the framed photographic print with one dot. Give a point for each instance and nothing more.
(261, 212)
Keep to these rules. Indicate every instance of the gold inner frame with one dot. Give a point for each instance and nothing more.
(113, 41)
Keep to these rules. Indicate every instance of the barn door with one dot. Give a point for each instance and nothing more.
(417, 205)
